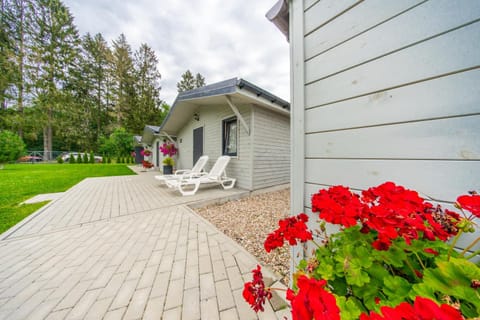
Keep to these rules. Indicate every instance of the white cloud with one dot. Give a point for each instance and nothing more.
(219, 39)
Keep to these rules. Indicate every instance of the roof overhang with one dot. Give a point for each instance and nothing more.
(279, 15)
(149, 134)
(239, 91)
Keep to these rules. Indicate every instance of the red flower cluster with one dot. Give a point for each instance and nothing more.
(422, 309)
(470, 203)
(147, 164)
(312, 301)
(338, 205)
(254, 292)
(290, 229)
(390, 210)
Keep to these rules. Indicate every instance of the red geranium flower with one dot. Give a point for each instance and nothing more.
(470, 203)
(312, 301)
(254, 292)
(338, 205)
(292, 229)
(422, 309)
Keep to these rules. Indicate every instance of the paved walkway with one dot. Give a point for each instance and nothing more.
(124, 248)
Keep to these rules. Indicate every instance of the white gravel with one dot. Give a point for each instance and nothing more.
(248, 221)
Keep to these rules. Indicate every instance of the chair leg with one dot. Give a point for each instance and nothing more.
(186, 192)
(228, 183)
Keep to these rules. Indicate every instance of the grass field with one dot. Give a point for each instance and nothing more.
(19, 182)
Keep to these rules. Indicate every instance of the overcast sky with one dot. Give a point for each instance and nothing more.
(221, 39)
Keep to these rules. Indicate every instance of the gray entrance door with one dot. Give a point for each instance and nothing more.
(197, 144)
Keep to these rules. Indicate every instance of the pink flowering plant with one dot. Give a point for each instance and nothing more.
(168, 149)
(393, 257)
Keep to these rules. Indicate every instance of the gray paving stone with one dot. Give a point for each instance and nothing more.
(205, 264)
(192, 277)
(160, 286)
(124, 294)
(235, 278)
(230, 314)
(74, 295)
(178, 269)
(58, 315)
(191, 304)
(99, 309)
(174, 294)
(209, 309)
(113, 285)
(137, 305)
(207, 286)
(224, 295)
(154, 309)
(84, 304)
(219, 270)
(148, 277)
(42, 310)
(115, 314)
(173, 314)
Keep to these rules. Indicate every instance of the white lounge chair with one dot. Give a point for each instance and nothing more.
(189, 186)
(196, 171)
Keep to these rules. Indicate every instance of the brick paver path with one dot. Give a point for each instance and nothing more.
(124, 248)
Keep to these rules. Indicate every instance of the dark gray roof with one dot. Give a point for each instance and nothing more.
(154, 129)
(230, 86)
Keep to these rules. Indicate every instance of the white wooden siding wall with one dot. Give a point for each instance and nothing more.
(391, 92)
(211, 118)
(271, 141)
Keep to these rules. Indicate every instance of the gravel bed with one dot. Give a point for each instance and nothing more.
(248, 221)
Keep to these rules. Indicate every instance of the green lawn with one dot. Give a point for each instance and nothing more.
(19, 182)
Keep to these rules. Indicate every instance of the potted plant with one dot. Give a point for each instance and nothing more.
(168, 150)
(390, 258)
(168, 164)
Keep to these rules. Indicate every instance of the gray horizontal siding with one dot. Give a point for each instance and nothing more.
(271, 140)
(390, 94)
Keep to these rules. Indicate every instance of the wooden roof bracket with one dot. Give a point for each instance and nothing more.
(237, 113)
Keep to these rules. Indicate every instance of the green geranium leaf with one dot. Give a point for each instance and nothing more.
(339, 286)
(396, 289)
(452, 278)
(349, 309)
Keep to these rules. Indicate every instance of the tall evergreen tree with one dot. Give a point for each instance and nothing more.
(7, 53)
(90, 88)
(55, 51)
(189, 82)
(199, 80)
(123, 79)
(147, 88)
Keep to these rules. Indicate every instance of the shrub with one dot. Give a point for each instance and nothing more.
(92, 157)
(12, 146)
(85, 158)
(79, 159)
(109, 160)
(59, 159)
(71, 159)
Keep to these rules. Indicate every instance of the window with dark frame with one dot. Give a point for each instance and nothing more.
(229, 137)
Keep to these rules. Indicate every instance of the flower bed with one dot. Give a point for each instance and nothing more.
(390, 259)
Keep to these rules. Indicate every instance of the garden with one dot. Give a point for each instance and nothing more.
(394, 257)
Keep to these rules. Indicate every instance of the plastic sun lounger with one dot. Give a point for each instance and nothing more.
(196, 171)
(189, 186)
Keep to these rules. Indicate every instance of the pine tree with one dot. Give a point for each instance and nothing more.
(55, 50)
(199, 81)
(147, 88)
(188, 82)
(123, 79)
